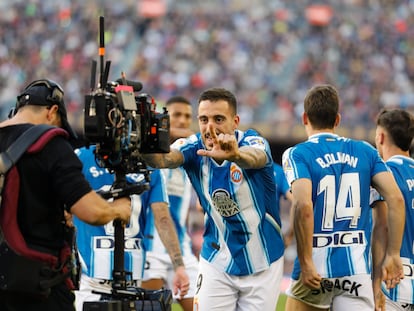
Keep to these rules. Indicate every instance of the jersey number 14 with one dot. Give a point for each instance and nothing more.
(344, 206)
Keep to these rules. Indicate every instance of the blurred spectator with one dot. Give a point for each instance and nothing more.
(268, 52)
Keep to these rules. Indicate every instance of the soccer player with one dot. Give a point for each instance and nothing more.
(393, 137)
(96, 244)
(158, 267)
(330, 178)
(241, 261)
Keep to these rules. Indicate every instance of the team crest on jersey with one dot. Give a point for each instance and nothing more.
(224, 204)
(236, 174)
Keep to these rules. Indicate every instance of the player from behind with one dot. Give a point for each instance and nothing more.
(330, 178)
(97, 244)
(393, 138)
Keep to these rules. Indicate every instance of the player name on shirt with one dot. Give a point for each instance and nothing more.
(410, 184)
(337, 158)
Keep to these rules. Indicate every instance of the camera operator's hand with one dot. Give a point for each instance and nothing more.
(68, 219)
(123, 206)
(96, 211)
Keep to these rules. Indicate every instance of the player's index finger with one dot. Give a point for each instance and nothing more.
(212, 132)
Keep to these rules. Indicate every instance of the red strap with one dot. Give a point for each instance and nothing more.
(8, 212)
(44, 139)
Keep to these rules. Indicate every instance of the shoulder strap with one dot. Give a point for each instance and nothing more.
(9, 157)
(37, 137)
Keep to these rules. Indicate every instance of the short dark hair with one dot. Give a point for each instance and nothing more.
(321, 104)
(400, 126)
(177, 99)
(216, 94)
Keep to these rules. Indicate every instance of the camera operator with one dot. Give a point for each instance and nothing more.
(97, 260)
(51, 183)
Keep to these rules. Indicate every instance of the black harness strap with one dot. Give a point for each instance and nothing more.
(9, 157)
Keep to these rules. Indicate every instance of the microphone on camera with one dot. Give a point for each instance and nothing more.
(137, 86)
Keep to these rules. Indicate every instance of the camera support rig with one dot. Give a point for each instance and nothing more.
(124, 125)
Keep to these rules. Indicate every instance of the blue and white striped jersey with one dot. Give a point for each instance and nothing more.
(179, 194)
(242, 236)
(341, 170)
(96, 243)
(403, 170)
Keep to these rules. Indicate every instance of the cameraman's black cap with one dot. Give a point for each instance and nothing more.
(46, 93)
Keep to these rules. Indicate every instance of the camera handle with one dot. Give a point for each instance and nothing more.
(119, 275)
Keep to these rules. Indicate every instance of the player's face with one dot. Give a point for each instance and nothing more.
(219, 115)
(180, 115)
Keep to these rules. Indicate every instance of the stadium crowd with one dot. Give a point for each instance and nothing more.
(268, 52)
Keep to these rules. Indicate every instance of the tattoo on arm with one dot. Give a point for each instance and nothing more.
(172, 159)
(251, 157)
(166, 230)
(177, 261)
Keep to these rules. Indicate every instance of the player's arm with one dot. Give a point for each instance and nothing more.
(172, 159)
(289, 235)
(303, 225)
(166, 230)
(168, 235)
(386, 185)
(250, 157)
(178, 132)
(378, 246)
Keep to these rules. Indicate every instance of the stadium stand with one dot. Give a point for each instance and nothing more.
(268, 52)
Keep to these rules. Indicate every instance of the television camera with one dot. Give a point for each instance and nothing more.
(123, 124)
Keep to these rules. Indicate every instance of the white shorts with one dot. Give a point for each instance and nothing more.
(87, 285)
(159, 266)
(217, 290)
(397, 306)
(342, 294)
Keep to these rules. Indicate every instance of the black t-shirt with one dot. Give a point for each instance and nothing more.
(50, 181)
